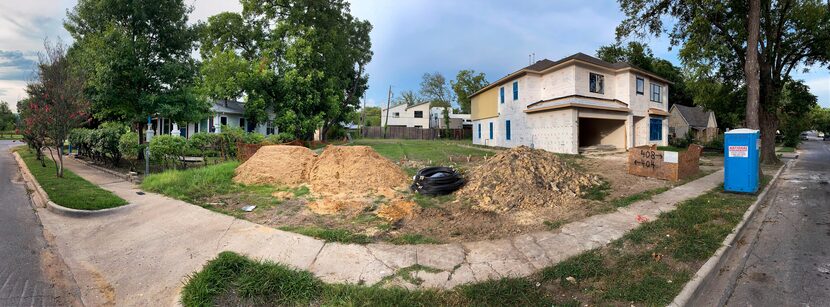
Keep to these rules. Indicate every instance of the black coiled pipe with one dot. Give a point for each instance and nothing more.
(437, 180)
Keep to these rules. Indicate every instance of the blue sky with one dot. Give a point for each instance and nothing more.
(410, 38)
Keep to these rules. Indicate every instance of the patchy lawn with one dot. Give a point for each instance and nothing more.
(425, 152)
(648, 266)
(71, 191)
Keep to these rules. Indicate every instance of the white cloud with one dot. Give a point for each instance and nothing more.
(11, 91)
(821, 88)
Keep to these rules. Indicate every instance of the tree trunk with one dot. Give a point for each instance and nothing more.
(60, 160)
(751, 67)
(769, 125)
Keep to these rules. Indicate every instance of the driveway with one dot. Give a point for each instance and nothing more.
(30, 273)
(790, 264)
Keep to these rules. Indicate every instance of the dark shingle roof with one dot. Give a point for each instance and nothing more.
(229, 106)
(695, 116)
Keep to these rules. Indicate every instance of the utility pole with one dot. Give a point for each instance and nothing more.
(388, 103)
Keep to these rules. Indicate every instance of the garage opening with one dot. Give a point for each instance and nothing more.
(601, 134)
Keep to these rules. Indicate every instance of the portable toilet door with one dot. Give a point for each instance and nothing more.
(741, 160)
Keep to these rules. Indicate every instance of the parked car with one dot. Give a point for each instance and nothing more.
(804, 136)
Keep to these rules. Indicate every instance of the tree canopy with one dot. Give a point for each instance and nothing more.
(302, 60)
(136, 55)
(436, 90)
(7, 118)
(466, 83)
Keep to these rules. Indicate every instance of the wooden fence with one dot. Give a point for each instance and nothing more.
(411, 133)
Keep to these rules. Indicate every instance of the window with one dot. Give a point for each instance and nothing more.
(656, 94)
(196, 127)
(501, 95)
(507, 130)
(479, 130)
(396, 114)
(596, 83)
(211, 128)
(242, 122)
(223, 121)
(419, 114)
(641, 86)
(269, 128)
(418, 126)
(491, 130)
(655, 129)
(515, 90)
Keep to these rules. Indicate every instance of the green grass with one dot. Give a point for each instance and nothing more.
(785, 149)
(670, 148)
(197, 185)
(625, 272)
(410, 238)
(553, 225)
(438, 152)
(633, 198)
(329, 235)
(11, 137)
(71, 191)
(598, 192)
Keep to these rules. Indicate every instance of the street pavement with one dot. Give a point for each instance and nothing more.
(25, 259)
(790, 263)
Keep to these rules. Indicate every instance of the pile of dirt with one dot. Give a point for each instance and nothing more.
(397, 211)
(276, 164)
(525, 178)
(354, 170)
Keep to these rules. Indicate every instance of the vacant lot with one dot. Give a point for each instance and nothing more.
(424, 219)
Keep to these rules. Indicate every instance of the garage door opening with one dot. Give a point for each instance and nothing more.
(601, 134)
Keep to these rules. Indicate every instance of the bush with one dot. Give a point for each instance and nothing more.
(716, 143)
(128, 145)
(253, 138)
(167, 148)
(105, 141)
(227, 140)
(201, 143)
(279, 138)
(80, 139)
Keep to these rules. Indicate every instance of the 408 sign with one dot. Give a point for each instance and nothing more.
(648, 159)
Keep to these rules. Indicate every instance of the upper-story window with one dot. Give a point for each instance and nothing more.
(501, 94)
(419, 114)
(641, 86)
(515, 90)
(656, 93)
(396, 114)
(596, 83)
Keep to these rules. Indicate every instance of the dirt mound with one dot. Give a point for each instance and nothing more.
(276, 164)
(397, 211)
(354, 169)
(524, 178)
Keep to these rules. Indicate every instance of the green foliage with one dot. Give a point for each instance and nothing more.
(329, 234)
(70, 191)
(437, 90)
(128, 145)
(167, 148)
(106, 140)
(226, 142)
(278, 138)
(598, 192)
(202, 142)
(7, 118)
(136, 55)
(371, 117)
(797, 104)
(640, 55)
(466, 83)
(821, 119)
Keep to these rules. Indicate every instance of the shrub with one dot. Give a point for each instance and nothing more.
(80, 139)
(167, 148)
(253, 138)
(716, 143)
(227, 140)
(129, 147)
(105, 141)
(202, 142)
(279, 138)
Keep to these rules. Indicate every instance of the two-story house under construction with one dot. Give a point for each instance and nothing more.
(573, 103)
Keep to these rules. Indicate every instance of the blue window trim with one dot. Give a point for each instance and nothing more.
(491, 130)
(501, 94)
(507, 129)
(655, 126)
(515, 90)
(479, 131)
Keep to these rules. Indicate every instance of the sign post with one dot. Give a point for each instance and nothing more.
(147, 148)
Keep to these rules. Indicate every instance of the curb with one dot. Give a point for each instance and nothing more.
(40, 198)
(708, 269)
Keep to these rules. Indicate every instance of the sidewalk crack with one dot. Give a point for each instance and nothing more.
(219, 241)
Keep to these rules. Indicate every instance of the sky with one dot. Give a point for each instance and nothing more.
(409, 38)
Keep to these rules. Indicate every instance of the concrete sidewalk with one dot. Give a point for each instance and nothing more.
(142, 254)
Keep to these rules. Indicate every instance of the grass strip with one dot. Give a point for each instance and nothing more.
(71, 191)
(329, 234)
(647, 266)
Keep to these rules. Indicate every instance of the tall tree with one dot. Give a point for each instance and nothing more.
(640, 55)
(751, 68)
(305, 60)
(466, 83)
(797, 104)
(436, 90)
(793, 34)
(409, 98)
(137, 58)
(7, 118)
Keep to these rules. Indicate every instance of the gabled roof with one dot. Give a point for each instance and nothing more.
(695, 116)
(228, 106)
(543, 65)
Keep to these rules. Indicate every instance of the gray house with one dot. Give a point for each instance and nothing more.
(698, 122)
(224, 113)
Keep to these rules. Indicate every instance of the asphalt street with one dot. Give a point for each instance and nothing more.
(790, 263)
(23, 280)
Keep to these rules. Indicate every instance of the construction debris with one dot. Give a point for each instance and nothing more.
(525, 178)
(248, 208)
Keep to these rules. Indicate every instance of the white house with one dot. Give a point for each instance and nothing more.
(457, 121)
(404, 115)
(578, 101)
(224, 113)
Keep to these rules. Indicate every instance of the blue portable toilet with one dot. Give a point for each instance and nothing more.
(741, 150)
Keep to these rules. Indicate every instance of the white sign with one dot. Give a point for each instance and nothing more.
(738, 151)
(670, 156)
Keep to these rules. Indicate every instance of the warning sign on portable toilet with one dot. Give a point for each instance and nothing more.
(738, 151)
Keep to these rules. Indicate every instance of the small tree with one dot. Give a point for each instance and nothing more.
(58, 95)
(32, 126)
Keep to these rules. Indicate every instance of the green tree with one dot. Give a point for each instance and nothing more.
(466, 83)
(436, 90)
(640, 55)
(797, 104)
(137, 56)
(409, 98)
(821, 120)
(7, 118)
(371, 116)
(306, 61)
(713, 43)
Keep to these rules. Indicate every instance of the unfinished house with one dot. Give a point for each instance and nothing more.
(578, 103)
